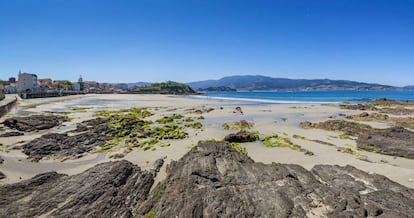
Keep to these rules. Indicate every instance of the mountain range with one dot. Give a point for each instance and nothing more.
(264, 83)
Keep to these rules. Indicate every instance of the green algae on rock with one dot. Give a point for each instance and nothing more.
(277, 141)
(240, 125)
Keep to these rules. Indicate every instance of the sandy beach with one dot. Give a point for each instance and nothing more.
(267, 119)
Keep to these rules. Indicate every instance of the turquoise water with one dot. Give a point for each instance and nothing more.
(310, 96)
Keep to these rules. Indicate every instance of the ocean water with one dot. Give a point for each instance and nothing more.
(309, 96)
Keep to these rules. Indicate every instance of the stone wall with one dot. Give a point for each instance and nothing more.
(7, 106)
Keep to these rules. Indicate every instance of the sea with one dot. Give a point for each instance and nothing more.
(308, 96)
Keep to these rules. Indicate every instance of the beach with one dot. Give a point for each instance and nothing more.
(267, 119)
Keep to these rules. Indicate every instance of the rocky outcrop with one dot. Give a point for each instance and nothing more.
(368, 117)
(407, 122)
(361, 107)
(111, 189)
(389, 102)
(35, 122)
(348, 128)
(213, 180)
(2, 176)
(11, 134)
(382, 106)
(395, 141)
(100, 124)
(241, 136)
(360, 194)
(90, 134)
(61, 145)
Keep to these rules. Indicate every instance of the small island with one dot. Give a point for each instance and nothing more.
(168, 87)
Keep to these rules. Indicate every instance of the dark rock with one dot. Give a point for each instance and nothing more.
(322, 142)
(35, 122)
(241, 136)
(362, 107)
(62, 145)
(127, 150)
(368, 117)
(397, 108)
(238, 110)
(348, 128)
(111, 189)
(11, 134)
(88, 136)
(213, 180)
(96, 123)
(390, 102)
(309, 153)
(395, 141)
(157, 165)
(2, 176)
(1, 160)
(117, 156)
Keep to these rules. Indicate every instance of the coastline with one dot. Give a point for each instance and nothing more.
(268, 119)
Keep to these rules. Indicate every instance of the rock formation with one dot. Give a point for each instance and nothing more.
(35, 122)
(347, 127)
(2, 176)
(395, 141)
(90, 134)
(11, 134)
(386, 107)
(241, 136)
(211, 180)
(111, 189)
(62, 145)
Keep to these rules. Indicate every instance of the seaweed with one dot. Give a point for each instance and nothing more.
(277, 141)
(170, 119)
(130, 127)
(240, 125)
(195, 125)
(238, 147)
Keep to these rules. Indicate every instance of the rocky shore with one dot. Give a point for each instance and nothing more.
(111, 189)
(90, 134)
(395, 141)
(337, 163)
(34, 122)
(211, 180)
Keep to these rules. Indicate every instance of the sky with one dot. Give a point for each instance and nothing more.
(192, 40)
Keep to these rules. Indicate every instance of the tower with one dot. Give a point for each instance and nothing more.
(81, 84)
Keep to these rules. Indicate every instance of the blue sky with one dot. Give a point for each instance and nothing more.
(158, 40)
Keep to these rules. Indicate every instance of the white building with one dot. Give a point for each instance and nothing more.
(27, 82)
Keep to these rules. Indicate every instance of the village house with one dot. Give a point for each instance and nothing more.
(27, 83)
(44, 84)
(10, 89)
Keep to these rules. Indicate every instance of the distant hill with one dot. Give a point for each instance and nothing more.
(408, 88)
(249, 83)
(168, 87)
(218, 89)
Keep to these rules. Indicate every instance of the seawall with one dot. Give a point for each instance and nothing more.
(7, 104)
